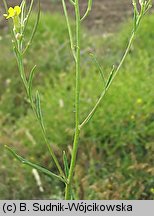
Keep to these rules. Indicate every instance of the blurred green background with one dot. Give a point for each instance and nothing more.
(116, 151)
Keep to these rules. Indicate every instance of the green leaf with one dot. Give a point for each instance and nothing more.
(148, 6)
(110, 78)
(136, 14)
(28, 15)
(65, 161)
(98, 67)
(28, 163)
(36, 23)
(66, 168)
(30, 81)
(39, 110)
(23, 7)
(35, 26)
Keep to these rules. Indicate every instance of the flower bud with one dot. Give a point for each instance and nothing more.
(18, 36)
(141, 2)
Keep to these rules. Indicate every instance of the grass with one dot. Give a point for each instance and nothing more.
(115, 159)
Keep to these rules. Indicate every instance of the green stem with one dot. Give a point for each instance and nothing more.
(51, 151)
(77, 104)
(21, 69)
(5, 5)
(69, 28)
(88, 9)
(23, 76)
(90, 115)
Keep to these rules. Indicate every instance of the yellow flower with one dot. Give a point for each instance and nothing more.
(13, 12)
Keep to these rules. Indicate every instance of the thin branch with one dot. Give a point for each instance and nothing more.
(72, 2)
(33, 165)
(88, 9)
(137, 19)
(69, 29)
(28, 15)
(5, 5)
(98, 67)
(90, 115)
(34, 29)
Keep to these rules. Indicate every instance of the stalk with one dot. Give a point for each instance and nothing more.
(77, 103)
(19, 57)
(90, 115)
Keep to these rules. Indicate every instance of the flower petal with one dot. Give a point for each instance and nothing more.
(17, 9)
(11, 12)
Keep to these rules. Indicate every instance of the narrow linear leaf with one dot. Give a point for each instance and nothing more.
(33, 165)
(31, 80)
(72, 195)
(28, 14)
(36, 22)
(20, 66)
(136, 14)
(34, 28)
(135, 20)
(39, 110)
(22, 6)
(98, 67)
(110, 78)
(66, 168)
(69, 29)
(65, 161)
(148, 6)
(16, 51)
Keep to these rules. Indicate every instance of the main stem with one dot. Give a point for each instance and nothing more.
(77, 103)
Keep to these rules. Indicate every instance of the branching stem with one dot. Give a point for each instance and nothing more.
(90, 115)
(77, 103)
(69, 28)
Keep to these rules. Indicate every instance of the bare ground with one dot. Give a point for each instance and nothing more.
(105, 16)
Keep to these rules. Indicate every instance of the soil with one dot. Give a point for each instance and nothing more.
(106, 15)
